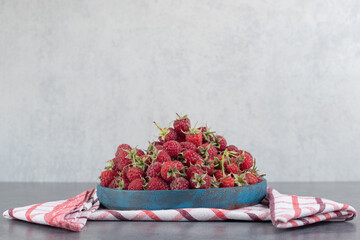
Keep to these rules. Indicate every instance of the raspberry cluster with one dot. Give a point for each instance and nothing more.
(182, 158)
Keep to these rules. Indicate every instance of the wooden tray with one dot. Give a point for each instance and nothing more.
(225, 198)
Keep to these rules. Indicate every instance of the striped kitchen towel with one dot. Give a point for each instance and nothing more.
(284, 211)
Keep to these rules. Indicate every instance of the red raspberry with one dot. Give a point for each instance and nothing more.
(173, 148)
(227, 182)
(208, 150)
(207, 135)
(140, 152)
(154, 169)
(153, 146)
(125, 158)
(190, 157)
(219, 174)
(171, 135)
(194, 136)
(179, 183)
(221, 141)
(156, 143)
(251, 178)
(134, 173)
(119, 183)
(218, 159)
(162, 157)
(171, 170)
(232, 168)
(112, 184)
(237, 153)
(188, 146)
(157, 183)
(137, 184)
(180, 140)
(148, 159)
(203, 129)
(121, 148)
(120, 163)
(124, 171)
(159, 147)
(225, 163)
(247, 161)
(113, 164)
(228, 161)
(206, 165)
(231, 148)
(106, 177)
(200, 181)
(166, 134)
(182, 125)
(199, 163)
(192, 170)
(122, 153)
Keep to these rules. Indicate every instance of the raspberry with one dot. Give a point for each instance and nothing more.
(125, 158)
(134, 173)
(140, 152)
(227, 182)
(119, 183)
(106, 177)
(219, 174)
(250, 178)
(194, 136)
(203, 129)
(247, 161)
(232, 168)
(162, 157)
(188, 146)
(121, 148)
(171, 170)
(166, 134)
(171, 135)
(159, 147)
(221, 143)
(206, 165)
(208, 136)
(124, 172)
(147, 159)
(231, 148)
(200, 181)
(204, 156)
(190, 157)
(182, 125)
(207, 150)
(154, 169)
(173, 148)
(120, 163)
(192, 170)
(179, 183)
(156, 183)
(137, 184)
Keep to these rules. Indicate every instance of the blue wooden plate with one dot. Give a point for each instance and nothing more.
(225, 198)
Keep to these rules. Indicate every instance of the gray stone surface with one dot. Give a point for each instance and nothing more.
(277, 78)
(20, 194)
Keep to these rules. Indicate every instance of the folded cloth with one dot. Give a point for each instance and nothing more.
(284, 211)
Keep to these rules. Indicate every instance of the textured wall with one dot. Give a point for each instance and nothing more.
(278, 78)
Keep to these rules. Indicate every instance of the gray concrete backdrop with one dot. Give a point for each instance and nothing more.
(280, 79)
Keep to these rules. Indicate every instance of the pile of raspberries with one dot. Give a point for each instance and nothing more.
(183, 158)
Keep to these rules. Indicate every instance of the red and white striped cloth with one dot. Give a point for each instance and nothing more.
(284, 211)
